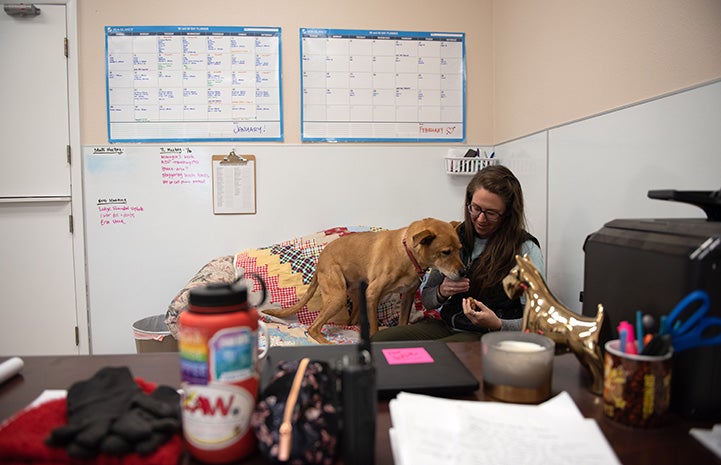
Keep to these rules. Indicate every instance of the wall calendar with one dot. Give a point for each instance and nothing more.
(193, 83)
(362, 85)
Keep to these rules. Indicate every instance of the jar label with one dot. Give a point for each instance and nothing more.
(232, 354)
(193, 349)
(215, 416)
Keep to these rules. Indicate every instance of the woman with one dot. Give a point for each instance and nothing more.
(492, 234)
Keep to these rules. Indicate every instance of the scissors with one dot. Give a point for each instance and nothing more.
(698, 330)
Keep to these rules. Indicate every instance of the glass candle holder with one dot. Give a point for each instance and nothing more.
(517, 366)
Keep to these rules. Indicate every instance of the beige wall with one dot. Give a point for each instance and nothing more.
(557, 61)
(470, 16)
(531, 64)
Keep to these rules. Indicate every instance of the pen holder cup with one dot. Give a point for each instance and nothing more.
(517, 366)
(636, 388)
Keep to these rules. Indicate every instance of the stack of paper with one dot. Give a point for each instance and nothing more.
(711, 438)
(430, 430)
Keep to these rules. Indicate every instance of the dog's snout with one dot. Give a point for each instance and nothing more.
(456, 274)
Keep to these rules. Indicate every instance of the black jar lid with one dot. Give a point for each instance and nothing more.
(218, 295)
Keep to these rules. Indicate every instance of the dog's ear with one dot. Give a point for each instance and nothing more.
(455, 224)
(424, 237)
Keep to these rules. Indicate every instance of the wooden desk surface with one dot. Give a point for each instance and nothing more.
(670, 444)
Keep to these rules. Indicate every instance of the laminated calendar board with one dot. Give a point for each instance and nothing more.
(363, 85)
(193, 83)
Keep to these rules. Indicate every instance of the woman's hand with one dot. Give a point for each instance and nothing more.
(480, 315)
(450, 287)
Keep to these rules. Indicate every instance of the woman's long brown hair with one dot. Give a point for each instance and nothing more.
(498, 257)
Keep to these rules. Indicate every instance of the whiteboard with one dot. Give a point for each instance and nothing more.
(150, 224)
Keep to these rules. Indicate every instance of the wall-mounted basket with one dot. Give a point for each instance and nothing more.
(467, 165)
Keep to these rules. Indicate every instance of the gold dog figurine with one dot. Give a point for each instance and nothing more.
(544, 314)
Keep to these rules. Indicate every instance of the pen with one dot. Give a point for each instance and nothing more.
(626, 339)
(639, 330)
(647, 338)
(631, 347)
(629, 340)
(659, 345)
(662, 326)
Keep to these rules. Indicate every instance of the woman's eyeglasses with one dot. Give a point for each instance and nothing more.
(491, 215)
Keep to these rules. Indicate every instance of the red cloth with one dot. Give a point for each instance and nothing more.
(22, 440)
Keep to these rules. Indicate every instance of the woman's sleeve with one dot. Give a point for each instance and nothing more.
(536, 256)
(511, 325)
(429, 290)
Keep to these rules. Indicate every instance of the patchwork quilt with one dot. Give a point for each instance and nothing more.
(287, 269)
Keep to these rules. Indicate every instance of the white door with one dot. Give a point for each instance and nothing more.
(37, 285)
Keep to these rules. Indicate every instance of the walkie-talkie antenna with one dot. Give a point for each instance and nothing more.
(365, 341)
(359, 395)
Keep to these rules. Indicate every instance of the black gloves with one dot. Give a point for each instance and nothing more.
(110, 413)
(150, 422)
(93, 405)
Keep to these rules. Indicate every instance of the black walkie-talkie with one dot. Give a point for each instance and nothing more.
(359, 396)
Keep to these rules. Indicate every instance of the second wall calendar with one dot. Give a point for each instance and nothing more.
(361, 85)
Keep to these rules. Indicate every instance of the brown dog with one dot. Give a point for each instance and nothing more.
(389, 261)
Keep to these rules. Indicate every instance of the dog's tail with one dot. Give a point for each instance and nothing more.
(284, 312)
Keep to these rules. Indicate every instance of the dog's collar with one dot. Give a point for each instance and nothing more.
(421, 272)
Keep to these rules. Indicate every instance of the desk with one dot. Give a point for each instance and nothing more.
(668, 445)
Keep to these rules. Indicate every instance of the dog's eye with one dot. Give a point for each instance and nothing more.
(446, 252)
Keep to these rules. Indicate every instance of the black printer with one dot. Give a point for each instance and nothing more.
(651, 265)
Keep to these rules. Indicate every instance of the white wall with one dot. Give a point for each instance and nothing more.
(528, 159)
(601, 169)
(135, 269)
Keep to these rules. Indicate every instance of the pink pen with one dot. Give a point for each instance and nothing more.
(631, 347)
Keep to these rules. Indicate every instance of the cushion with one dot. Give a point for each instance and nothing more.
(218, 270)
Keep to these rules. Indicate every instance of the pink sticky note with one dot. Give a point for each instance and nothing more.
(407, 356)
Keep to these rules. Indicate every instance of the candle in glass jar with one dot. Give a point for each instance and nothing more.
(517, 366)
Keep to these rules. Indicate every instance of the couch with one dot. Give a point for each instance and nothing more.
(287, 269)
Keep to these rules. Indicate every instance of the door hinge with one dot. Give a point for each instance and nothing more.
(68, 153)
(77, 336)
(65, 47)
(70, 224)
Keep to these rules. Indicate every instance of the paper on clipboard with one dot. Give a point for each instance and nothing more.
(233, 184)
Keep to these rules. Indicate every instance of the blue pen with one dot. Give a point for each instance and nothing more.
(662, 326)
(622, 336)
(639, 330)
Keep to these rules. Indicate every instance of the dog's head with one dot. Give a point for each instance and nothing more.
(435, 244)
(513, 283)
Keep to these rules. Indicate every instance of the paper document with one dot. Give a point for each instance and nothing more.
(430, 430)
(711, 438)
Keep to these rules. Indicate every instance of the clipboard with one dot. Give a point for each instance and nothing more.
(233, 184)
